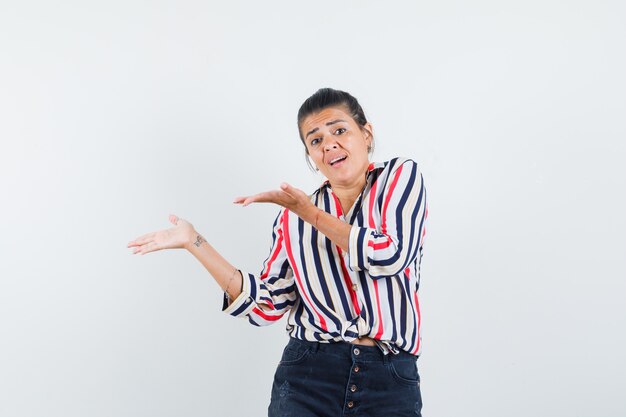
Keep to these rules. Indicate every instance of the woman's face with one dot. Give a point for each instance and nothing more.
(337, 145)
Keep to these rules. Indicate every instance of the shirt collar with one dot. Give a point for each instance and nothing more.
(371, 167)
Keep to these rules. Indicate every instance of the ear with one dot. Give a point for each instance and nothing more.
(368, 131)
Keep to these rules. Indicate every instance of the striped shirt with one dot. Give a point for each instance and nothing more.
(332, 295)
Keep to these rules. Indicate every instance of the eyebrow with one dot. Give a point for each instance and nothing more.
(327, 124)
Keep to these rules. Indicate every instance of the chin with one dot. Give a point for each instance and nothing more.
(341, 178)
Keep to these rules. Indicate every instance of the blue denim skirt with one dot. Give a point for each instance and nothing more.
(342, 379)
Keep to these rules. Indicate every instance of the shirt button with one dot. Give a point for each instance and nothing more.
(354, 287)
(357, 351)
(353, 388)
(350, 404)
(249, 300)
(357, 369)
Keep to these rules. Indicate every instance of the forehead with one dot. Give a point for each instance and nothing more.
(324, 116)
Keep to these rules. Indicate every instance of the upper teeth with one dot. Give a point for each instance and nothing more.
(336, 159)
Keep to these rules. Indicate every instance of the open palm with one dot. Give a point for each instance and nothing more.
(177, 237)
(287, 196)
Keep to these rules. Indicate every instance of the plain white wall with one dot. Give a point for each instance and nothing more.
(115, 114)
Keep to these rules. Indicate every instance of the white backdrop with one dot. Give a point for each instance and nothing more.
(115, 114)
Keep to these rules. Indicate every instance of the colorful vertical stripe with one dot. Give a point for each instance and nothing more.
(332, 295)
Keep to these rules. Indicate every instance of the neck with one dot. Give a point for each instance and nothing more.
(347, 193)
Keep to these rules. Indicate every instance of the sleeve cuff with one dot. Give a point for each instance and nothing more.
(358, 248)
(244, 303)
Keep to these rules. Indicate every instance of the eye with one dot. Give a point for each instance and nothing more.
(315, 141)
(340, 131)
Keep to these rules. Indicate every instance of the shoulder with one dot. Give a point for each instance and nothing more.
(400, 162)
(316, 194)
(405, 171)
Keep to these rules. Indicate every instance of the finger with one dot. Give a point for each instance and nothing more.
(141, 239)
(147, 248)
(174, 219)
(295, 195)
(291, 190)
(142, 247)
(248, 201)
(287, 189)
(244, 201)
(264, 197)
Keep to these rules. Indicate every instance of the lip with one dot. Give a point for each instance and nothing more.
(338, 165)
(328, 162)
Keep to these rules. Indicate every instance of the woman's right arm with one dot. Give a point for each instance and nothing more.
(184, 236)
(227, 276)
(262, 299)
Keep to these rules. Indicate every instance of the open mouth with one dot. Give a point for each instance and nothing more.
(337, 160)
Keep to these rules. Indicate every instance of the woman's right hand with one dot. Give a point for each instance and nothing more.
(178, 237)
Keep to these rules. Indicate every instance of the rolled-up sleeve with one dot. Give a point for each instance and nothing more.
(394, 244)
(266, 297)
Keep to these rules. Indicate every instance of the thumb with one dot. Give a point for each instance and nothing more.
(287, 189)
(290, 190)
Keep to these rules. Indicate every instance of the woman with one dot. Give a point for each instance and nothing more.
(344, 263)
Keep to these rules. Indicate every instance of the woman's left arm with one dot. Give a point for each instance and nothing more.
(384, 251)
(300, 204)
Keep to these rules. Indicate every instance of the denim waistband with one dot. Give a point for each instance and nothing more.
(358, 352)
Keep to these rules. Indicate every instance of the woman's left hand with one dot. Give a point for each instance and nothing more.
(287, 196)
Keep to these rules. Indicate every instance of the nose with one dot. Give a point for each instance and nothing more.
(330, 145)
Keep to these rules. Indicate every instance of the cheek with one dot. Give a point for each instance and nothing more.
(316, 155)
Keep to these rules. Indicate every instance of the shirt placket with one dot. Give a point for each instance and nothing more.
(351, 281)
